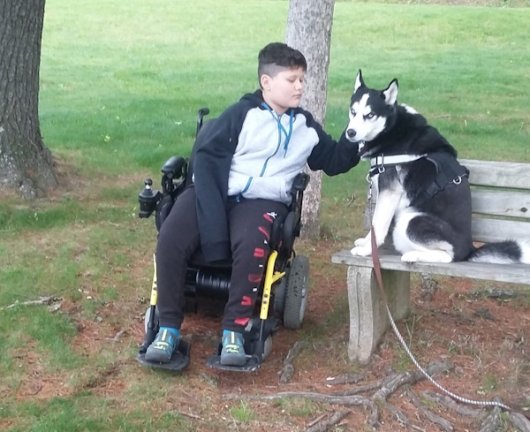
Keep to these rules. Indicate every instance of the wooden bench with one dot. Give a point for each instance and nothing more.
(501, 210)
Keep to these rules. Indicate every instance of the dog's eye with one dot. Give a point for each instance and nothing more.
(370, 115)
(352, 112)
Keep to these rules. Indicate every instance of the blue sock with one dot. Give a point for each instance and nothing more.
(174, 331)
(239, 336)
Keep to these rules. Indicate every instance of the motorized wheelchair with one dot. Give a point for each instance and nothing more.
(281, 297)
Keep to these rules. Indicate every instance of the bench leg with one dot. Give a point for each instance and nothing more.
(368, 318)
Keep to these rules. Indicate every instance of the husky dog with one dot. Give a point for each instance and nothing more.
(423, 197)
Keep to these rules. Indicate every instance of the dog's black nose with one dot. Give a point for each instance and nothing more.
(351, 133)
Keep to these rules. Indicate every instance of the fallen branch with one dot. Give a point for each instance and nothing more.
(452, 404)
(287, 371)
(190, 415)
(439, 421)
(325, 424)
(344, 379)
(313, 396)
(117, 336)
(519, 421)
(492, 422)
(386, 388)
(46, 300)
(398, 415)
(391, 384)
(361, 389)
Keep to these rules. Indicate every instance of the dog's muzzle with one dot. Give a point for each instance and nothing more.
(350, 134)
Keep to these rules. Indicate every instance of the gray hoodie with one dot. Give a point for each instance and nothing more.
(250, 152)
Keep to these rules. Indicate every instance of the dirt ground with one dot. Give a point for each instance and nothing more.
(482, 329)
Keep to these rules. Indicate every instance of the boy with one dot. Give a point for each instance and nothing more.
(243, 167)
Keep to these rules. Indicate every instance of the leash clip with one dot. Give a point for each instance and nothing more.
(457, 180)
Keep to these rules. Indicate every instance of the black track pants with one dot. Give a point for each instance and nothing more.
(177, 241)
(250, 225)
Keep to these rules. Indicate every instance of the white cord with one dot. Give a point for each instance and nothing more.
(431, 379)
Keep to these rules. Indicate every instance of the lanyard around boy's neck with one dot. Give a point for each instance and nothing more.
(281, 128)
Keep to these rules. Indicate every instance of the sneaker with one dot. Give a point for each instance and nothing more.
(163, 347)
(233, 352)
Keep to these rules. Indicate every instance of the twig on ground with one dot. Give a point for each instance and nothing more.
(492, 422)
(190, 415)
(386, 388)
(344, 379)
(316, 420)
(287, 371)
(519, 421)
(392, 383)
(452, 404)
(117, 336)
(398, 415)
(361, 389)
(315, 397)
(43, 300)
(324, 424)
(439, 421)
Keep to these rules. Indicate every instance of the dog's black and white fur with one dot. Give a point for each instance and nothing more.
(423, 192)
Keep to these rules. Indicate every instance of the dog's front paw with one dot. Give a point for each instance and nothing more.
(365, 250)
(361, 242)
(411, 257)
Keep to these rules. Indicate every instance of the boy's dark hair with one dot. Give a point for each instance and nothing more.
(279, 54)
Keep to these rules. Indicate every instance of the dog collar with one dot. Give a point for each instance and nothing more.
(378, 163)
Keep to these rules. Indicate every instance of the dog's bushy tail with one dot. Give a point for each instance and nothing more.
(506, 252)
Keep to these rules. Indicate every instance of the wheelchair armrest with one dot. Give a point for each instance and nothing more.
(174, 167)
(300, 182)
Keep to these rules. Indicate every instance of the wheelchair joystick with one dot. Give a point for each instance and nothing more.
(148, 199)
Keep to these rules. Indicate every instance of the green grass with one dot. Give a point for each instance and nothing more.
(120, 86)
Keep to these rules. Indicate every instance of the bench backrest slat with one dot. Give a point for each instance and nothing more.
(500, 200)
(494, 230)
(501, 203)
(498, 174)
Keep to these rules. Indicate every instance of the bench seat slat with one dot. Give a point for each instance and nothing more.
(514, 273)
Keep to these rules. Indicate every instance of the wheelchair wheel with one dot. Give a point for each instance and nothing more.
(267, 347)
(279, 297)
(146, 320)
(296, 295)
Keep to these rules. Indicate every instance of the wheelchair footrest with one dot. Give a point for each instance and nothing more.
(179, 360)
(251, 365)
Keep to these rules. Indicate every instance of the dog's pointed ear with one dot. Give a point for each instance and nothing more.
(391, 92)
(359, 82)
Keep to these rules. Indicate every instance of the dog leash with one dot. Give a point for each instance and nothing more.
(379, 280)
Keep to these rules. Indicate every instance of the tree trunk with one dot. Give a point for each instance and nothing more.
(309, 30)
(25, 163)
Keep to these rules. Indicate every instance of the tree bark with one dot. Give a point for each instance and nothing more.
(25, 163)
(309, 25)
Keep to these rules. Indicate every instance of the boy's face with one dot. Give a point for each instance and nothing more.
(283, 90)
